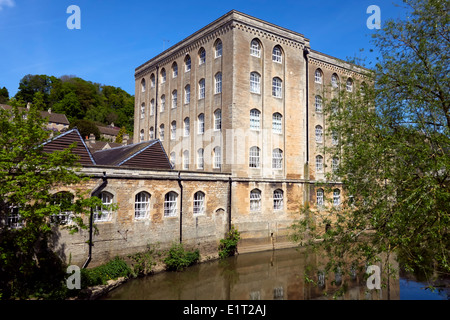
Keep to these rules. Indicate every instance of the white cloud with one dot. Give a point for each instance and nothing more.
(6, 3)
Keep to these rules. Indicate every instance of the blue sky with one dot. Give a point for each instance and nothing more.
(116, 36)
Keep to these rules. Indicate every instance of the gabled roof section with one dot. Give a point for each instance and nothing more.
(52, 117)
(143, 155)
(64, 140)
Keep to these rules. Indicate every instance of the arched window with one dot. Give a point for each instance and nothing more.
(255, 82)
(64, 201)
(278, 199)
(276, 87)
(318, 103)
(163, 103)
(174, 70)
(141, 205)
(201, 124)
(218, 83)
(199, 203)
(336, 197)
(277, 159)
(276, 54)
(201, 89)
(334, 138)
(172, 159)
(319, 163)
(201, 56)
(254, 157)
(187, 63)
(349, 85)
(255, 200)
(141, 135)
(142, 110)
(335, 164)
(255, 48)
(174, 99)
(161, 132)
(151, 133)
(152, 80)
(186, 160)
(173, 130)
(143, 85)
(152, 107)
(218, 49)
(103, 213)
(170, 204)
(200, 159)
(163, 75)
(277, 123)
(319, 197)
(218, 119)
(334, 80)
(318, 76)
(319, 134)
(217, 158)
(255, 119)
(187, 94)
(187, 127)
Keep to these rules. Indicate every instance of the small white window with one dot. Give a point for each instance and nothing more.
(255, 119)
(319, 163)
(217, 158)
(201, 124)
(218, 49)
(218, 120)
(255, 82)
(319, 197)
(142, 110)
(200, 158)
(277, 159)
(276, 87)
(103, 213)
(174, 99)
(141, 205)
(141, 135)
(161, 132)
(201, 89)
(174, 70)
(318, 103)
(163, 103)
(187, 128)
(255, 200)
(187, 94)
(186, 160)
(254, 157)
(278, 199)
(152, 107)
(276, 123)
(334, 80)
(173, 130)
(152, 80)
(187, 63)
(218, 83)
(319, 134)
(163, 75)
(318, 76)
(255, 48)
(152, 133)
(199, 203)
(170, 204)
(276, 54)
(336, 197)
(202, 56)
(349, 85)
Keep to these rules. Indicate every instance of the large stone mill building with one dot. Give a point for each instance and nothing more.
(228, 131)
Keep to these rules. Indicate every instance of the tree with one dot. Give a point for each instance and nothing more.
(4, 95)
(394, 153)
(119, 138)
(86, 127)
(29, 207)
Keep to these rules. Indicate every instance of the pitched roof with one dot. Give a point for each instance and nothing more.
(112, 131)
(147, 154)
(52, 117)
(64, 140)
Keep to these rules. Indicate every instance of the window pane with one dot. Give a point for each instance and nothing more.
(141, 205)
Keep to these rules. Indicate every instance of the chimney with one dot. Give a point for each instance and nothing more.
(50, 110)
(125, 139)
(28, 105)
(92, 138)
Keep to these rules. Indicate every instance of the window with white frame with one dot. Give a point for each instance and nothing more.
(319, 197)
(141, 135)
(173, 130)
(13, 219)
(151, 133)
(141, 205)
(142, 110)
(152, 107)
(201, 124)
(277, 159)
(217, 158)
(255, 119)
(336, 197)
(163, 75)
(187, 94)
(335, 164)
(187, 63)
(152, 80)
(200, 158)
(255, 82)
(349, 85)
(201, 89)
(163, 103)
(199, 203)
(201, 56)
(276, 87)
(334, 107)
(334, 138)
(103, 213)
(255, 48)
(217, 119)
(276, 54)
(187, 128)
(170, 204)
(174, 70)
(186, 160)
(172, 159)
(174, 99)
(318, 76)
(319, 134)
(255, 200)
(319, 163)
(318, 104)
(218, 83)
(334, 80)
(277, 123)
(64, 201)
(161, 132)
(254, 157)
(218, 49)
(143, 85)
(278, 199)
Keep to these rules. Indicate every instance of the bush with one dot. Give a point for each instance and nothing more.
(143, 262)
(228, 246)
(178, 258)
(100, 275)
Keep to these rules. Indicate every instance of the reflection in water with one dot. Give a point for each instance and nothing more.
(277, 275)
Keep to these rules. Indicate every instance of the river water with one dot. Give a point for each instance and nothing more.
(267, 275)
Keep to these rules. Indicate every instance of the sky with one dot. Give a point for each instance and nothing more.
(116, 36)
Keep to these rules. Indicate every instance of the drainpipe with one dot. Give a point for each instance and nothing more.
(95, 193)
(230, 181)
(305, 55)
(181, 206)
(156, 103)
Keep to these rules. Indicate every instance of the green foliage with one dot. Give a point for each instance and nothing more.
(228, 245)
(113, 269)
(119, 138)
(178, 258)
(4, 95)
(86, 127)
(143, 262)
